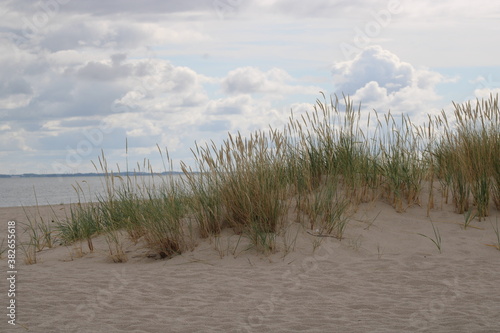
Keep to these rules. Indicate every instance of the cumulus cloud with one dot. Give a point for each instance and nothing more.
(381, 79)
(161, 86)
(373, 64)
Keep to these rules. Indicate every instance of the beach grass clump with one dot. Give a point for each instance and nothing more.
(163, 215)
(467, 154)
(154, 214)
(402, 161)
(326, 210)
(83, 223)
(29, 250)
(241, 185)
(40, 229)
(144, 210)
(386, 159)
(330, 143)
(205, 204)
(204, 186)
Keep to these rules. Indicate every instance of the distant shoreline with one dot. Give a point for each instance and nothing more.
(90, 174)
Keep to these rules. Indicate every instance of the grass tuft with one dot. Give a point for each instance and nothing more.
(437, 237)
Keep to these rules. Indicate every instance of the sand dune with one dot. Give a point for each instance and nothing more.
(383, 277)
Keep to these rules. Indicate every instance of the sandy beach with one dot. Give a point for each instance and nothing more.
(382, 277)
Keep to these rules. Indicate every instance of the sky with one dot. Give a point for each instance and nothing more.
(82, 78)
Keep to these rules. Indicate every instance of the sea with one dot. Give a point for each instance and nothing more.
(31, 191)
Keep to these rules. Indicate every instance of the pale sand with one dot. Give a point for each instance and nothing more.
(383, 279)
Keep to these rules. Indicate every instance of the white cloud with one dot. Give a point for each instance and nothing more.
(229, 105)
(372, 64)
(248, 80)
(252, 80)
(301, 9)
(378, 78)
(14, 140)
(486, 92)
(485, 86)
(372, 92)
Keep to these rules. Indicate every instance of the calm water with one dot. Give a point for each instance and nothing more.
(56, 190)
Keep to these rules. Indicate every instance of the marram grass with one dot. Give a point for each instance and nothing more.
(324, 163)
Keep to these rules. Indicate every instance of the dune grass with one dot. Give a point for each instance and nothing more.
(143, 210)
(496, 229)
(243, 184)
(436, 239)
(41, 234)
(467, 154)
(323, 163)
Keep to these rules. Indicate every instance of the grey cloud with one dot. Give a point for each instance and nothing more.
(192, 9)
(68, 141)
(63, 99)
(183, 79)
(70, 36)
(116, 35)
(15, 86)
(99, 8)
(315, 8)
(227, 109)
(103, 72)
